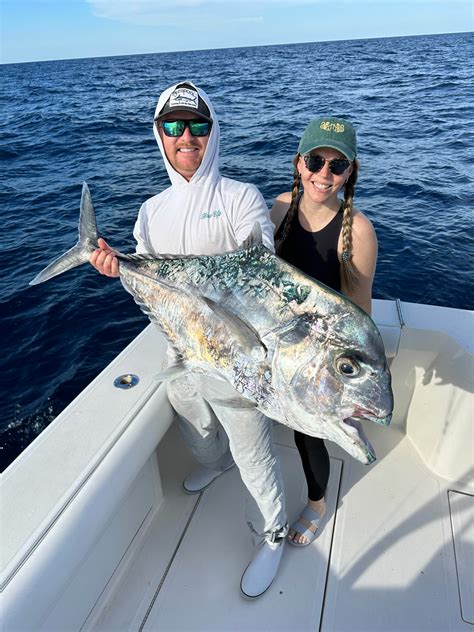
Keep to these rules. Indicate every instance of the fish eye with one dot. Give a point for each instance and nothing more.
(347, 366)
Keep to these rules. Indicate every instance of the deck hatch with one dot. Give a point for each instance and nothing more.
(461, 507)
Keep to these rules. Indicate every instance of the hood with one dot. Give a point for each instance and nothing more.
(210, 164)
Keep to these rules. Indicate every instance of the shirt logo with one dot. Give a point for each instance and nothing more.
(210, 214)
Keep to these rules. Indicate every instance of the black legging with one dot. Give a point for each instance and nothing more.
(315, 459)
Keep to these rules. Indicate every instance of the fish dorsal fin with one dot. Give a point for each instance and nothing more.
(254, 238)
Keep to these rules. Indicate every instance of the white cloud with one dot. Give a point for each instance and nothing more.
(255, 19)
(158, 12)
(134, 11)
(178, 12)
(175, 12)
(117, 8)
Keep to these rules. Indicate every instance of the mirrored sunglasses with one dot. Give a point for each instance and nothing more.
(197, 127)
(315, 163)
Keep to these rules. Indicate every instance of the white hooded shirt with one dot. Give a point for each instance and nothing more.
(209, 214)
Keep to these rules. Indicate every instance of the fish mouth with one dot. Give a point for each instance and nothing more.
(369, 415)
(352, 428)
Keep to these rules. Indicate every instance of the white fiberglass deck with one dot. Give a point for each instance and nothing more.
(97, 533)
(384, 560)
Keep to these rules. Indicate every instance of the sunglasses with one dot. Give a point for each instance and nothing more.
(315, 163)
(197, 127)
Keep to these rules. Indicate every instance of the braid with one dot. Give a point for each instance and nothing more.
(348, 273)
(293, 208)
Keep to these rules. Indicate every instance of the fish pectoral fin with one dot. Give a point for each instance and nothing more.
(243, 331)
(171, 373)
(290, 332)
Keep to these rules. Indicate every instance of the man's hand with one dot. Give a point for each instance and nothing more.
(104, 260)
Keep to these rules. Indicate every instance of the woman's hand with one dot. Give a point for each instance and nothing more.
(104, 259)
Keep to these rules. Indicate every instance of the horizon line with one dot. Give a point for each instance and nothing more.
(195, 50)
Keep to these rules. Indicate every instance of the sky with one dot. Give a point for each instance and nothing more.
(39, 30)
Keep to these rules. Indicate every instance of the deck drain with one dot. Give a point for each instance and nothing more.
(128, 380)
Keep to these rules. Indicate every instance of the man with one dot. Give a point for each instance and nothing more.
(203, 213)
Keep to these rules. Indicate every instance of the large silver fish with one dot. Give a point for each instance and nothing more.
(298, 351)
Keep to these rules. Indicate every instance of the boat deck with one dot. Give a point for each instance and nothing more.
(98, 534)
(385, 558)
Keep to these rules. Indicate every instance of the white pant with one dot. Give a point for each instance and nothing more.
(204, 422)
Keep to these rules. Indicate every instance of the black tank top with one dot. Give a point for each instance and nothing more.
(314, 253)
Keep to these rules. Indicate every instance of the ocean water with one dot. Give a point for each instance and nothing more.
(64, 122)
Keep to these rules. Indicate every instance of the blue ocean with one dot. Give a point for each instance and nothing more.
(63, 122)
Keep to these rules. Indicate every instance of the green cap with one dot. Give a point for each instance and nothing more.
(331, 132)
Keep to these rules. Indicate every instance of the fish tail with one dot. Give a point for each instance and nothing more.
(86, 243)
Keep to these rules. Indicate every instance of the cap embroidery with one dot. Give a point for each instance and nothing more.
(184, 97)
(332, 127)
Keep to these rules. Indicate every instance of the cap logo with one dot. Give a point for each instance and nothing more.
(332, 127)
(184, 97)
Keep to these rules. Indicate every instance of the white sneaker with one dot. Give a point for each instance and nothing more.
(262, 570)
(202, 477)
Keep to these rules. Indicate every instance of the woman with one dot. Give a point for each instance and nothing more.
(330, 240)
